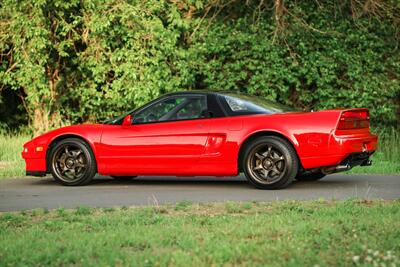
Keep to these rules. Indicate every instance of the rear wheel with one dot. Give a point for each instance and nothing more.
(72, 162)
(313, 176)
(270, 162)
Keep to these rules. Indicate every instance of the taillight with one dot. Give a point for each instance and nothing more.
(356, 119)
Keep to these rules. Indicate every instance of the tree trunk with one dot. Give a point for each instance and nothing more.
(45, 115)
(42, 120)
(278, 14)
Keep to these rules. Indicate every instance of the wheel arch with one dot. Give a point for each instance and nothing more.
(61, 137)
(258, 134)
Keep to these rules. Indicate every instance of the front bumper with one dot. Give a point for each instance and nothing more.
(35, 162)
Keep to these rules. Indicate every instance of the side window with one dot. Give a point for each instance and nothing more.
(174, 108)
(236, 104)
(195, 108)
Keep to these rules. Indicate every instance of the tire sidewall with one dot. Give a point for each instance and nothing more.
(288, 153)
(91, 170)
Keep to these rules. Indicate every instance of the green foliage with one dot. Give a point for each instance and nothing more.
(11, 162)
(386, 158)
(349, 64)
(125, 60)
(233, 207)
(183, 205)
(83, 210)
(85, 61)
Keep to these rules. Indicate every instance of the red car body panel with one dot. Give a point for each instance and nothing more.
(159, 148)
(208, 146)
(36, 160)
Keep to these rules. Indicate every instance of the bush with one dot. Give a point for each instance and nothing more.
(68, 62)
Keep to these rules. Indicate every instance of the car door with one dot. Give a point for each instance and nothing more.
(167, 137)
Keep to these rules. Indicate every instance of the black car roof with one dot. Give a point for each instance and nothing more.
(189, 92)
(204, 93)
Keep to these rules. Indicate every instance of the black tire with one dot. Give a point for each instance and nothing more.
(275, 168)
(313, 176)
(123, 178)
(71, 162)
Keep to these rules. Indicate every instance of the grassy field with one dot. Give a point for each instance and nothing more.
(318, 233)
(385, 161)
(11, 162)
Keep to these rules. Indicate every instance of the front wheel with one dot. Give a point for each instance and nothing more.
(72, 162)
(270, 162)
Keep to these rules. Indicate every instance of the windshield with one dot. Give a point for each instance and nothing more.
(240, 104)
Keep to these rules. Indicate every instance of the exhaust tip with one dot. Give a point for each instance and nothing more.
(339, 168)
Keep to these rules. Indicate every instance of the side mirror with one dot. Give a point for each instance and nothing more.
(127, 120)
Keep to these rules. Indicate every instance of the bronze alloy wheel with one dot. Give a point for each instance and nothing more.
(72, 162)
(266, 163)
(270, 162)
(69, 162)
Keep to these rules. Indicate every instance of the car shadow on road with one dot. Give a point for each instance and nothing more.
(216, 182)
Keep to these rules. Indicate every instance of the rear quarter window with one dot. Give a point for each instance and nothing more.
(245, 104)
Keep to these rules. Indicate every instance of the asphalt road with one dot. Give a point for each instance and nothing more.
(30, 193)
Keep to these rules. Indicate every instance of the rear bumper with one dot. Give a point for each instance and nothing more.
(349, 150)
(355, 144)
(355, 159)
(358, 159)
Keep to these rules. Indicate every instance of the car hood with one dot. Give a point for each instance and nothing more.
(82, 130)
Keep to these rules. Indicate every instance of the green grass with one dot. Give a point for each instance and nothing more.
(11, 162)
(349, 233)
(386, 159)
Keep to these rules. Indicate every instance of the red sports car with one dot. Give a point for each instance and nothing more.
(207, 134)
